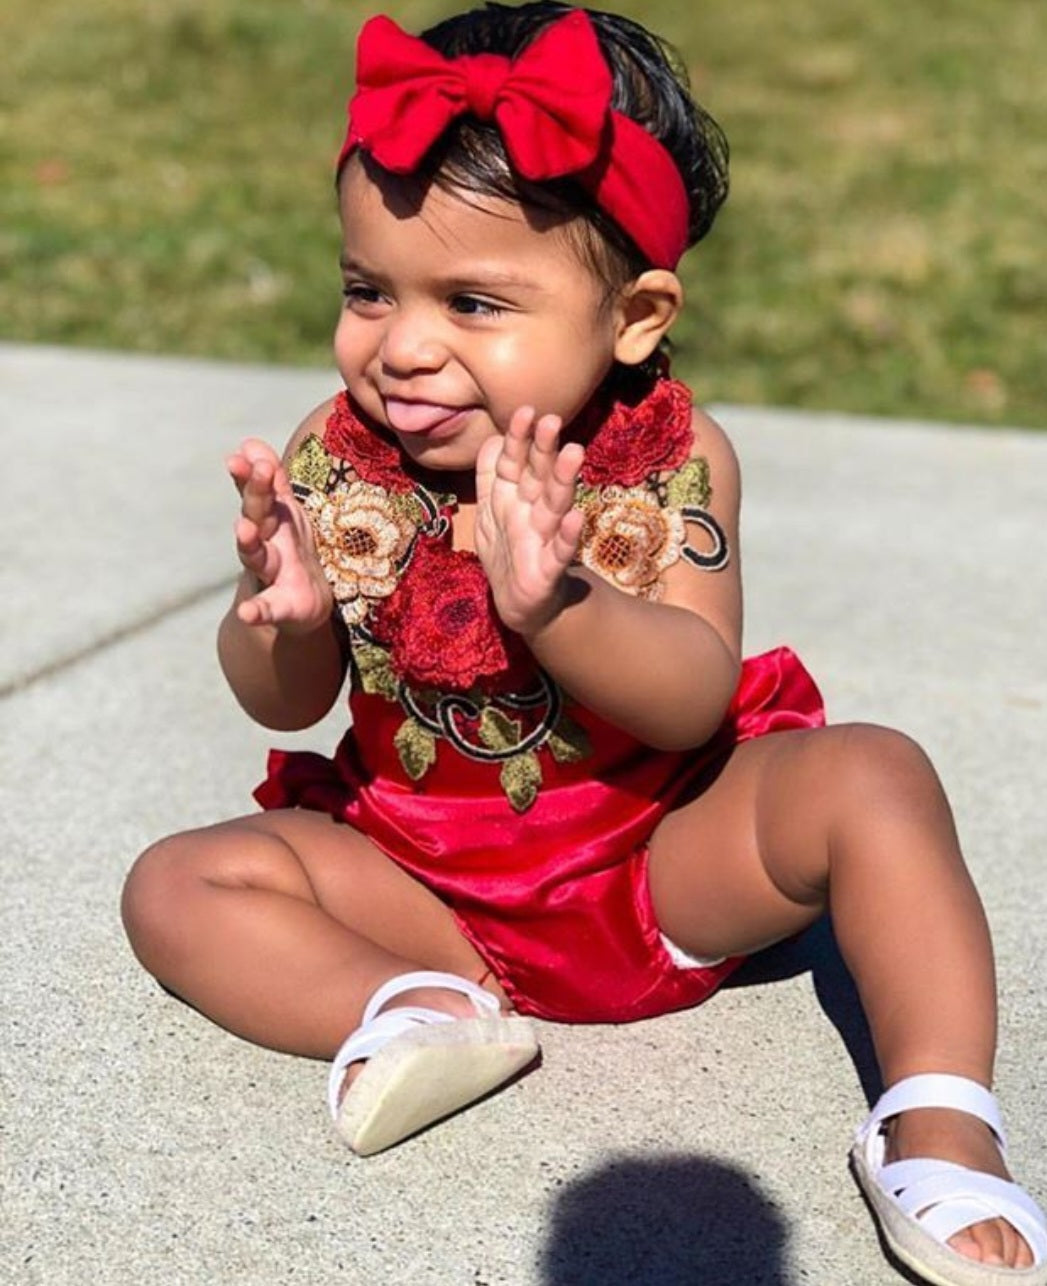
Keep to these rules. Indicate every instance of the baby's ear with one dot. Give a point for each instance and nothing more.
(647, 307)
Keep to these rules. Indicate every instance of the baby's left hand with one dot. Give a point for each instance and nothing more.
(527, 530)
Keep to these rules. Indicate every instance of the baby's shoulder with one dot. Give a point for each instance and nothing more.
(709, 441)
(709, 435)
(313, 425)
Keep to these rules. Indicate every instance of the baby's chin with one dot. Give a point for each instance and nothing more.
(453, 464)
(450, 455)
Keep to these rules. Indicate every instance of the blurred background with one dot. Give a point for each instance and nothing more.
(165, 186)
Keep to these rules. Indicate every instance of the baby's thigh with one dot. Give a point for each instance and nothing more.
(742, 864)
(360, 886)
(290, 853)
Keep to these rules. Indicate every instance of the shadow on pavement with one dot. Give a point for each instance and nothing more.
(670, 1221)
(815, 952)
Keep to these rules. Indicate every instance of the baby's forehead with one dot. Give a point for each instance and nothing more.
(380, 207)
(408, 195)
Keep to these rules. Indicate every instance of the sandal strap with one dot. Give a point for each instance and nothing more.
(900, 1176)
(483, 1000)
(378, 1028)
(946, 1198)
(937, 1089)
(942, 1197)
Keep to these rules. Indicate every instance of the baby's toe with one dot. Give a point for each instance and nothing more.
(993, 1243)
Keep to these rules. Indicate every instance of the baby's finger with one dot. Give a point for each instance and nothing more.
(486, 466)
(541, 447)
(558, 491)
(568, 537)
(239, 469)
(240, 463)
(250, 548)
(257, 451)
(568, 465)
(516, 444)
(250, 612)
(259, 497)
(282, 484)
(269, 607)
(258, 611)
(544, 446)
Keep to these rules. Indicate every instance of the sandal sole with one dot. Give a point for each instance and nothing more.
(918, 1250)
(427, 1074)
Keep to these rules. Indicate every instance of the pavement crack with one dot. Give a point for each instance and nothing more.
(168, 608)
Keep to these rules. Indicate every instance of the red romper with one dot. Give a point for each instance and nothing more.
(526, 813)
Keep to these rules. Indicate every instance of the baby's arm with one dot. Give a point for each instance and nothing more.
(279, 645)
(664, 671)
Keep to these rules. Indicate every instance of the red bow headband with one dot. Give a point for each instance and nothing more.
(552, 106)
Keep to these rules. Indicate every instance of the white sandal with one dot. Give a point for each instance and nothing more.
(422, 1064)
(921, 1203)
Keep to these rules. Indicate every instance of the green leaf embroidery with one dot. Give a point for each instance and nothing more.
(407, 504)
(690, 485)
(521, 777)
(376, 674)
(498, 731)
(416, 747)
(569, 742)
(310, 465)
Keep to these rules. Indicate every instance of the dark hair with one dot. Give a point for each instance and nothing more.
(649, 85)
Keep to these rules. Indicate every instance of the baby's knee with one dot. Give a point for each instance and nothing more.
(875, 766)
(153, 896)
(873, 747)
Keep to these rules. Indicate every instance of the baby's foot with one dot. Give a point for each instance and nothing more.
(948, 1135)
(408, 1070)
(441, 999)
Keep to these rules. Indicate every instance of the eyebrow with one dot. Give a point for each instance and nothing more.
(480, 278)
(348, 264)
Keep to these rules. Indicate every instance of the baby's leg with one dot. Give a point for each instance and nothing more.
(280, 926)
(853, 820)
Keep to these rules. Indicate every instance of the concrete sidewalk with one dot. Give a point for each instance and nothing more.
(908, 566)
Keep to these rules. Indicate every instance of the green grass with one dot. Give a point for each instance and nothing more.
(165, 187)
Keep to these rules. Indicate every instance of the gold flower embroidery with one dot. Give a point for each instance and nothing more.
(629, 539)
(360, 538)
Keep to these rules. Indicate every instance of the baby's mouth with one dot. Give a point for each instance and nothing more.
(418, 417)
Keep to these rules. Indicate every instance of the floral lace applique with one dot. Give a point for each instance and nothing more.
(635, 431)
(422, 626)
(629, 538)
(361, 537)
(504, 728)
(640, 487)
(374, 456)
(440, 626)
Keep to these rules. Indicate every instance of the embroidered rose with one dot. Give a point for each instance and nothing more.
(440, 625)
(629, 539)
(360, 536)
(375, 458)
(641, 435)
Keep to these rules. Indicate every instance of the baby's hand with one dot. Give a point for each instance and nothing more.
(275, 545)
(527, 530)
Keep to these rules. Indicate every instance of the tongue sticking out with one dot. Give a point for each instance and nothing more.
(417, 417)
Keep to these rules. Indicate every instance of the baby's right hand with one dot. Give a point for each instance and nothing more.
(274, 543)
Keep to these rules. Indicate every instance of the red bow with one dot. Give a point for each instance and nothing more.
(551, 104)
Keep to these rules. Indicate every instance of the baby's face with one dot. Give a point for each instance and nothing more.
(458, 313)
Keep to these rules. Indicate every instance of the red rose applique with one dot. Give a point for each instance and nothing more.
(375, 458)
(439, 624)
(640, 435)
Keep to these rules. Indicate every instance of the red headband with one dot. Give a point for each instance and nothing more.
(552, 107)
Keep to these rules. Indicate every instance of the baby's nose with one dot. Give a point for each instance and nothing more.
(412, 343)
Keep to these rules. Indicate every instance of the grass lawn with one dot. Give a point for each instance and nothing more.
(165, 187)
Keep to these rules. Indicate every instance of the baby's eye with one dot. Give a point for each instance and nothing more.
(357, 293)
(474, 306)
